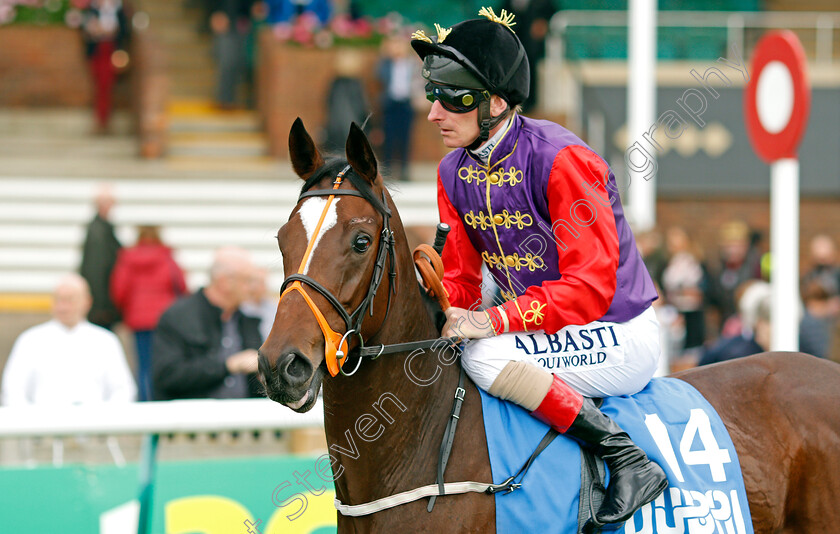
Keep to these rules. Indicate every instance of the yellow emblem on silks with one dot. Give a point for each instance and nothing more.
(505, 218)
(505, 18)
(514, 261)
(535, 315)
(501, 177)
(508, 295)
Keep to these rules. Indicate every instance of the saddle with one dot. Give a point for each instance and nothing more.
(669, 420)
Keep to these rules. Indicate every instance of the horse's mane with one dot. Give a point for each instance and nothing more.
(330, 170)
(432, 308)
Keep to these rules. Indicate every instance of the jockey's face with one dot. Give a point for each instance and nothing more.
(461, 129)
(457, 129)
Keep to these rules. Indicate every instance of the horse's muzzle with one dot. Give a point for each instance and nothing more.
(289, 381)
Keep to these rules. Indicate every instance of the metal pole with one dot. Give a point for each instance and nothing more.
(641, 111)
(784, 250)
(735, 34)
(148, 458)
(825, 44)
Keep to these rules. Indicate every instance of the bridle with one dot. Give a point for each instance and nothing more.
(335, 344)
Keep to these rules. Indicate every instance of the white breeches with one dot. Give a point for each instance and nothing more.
(599, 359)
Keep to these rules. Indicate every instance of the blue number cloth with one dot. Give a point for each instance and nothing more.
(670, 420)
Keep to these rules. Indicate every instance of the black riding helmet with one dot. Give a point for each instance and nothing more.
(477, 54)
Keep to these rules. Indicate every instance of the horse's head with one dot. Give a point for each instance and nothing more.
(336, 247)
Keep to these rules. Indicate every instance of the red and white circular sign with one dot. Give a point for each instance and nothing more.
(777, 99)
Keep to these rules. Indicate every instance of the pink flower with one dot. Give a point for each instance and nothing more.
(282, 31)
(363, 28)
(301, 34)
(7, 13)
(342, 26)
(308, 21)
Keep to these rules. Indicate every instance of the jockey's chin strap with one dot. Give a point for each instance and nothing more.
(335, 344)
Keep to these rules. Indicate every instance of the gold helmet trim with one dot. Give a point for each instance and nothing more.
(421, 36)
(504, 18)
(442, 32)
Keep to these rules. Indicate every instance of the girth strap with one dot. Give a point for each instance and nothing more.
(592, 491)
(509, 484)
(451, 488)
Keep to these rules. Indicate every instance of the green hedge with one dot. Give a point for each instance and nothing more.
(51, 12)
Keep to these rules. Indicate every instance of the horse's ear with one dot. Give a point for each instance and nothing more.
(360, 154)
(302, 150)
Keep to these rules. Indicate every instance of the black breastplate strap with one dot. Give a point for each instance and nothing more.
(449, 437)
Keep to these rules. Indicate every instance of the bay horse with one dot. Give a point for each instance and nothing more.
(384, 424)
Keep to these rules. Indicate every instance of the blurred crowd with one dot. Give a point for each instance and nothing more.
(715, 306)
(399, 93)
(387, 107)
(200, 344)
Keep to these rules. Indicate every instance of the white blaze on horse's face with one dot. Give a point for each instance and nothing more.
(310, 213)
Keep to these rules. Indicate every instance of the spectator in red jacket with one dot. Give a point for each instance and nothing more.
(145, 281)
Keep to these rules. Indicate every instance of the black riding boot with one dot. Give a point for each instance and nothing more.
(634, 479)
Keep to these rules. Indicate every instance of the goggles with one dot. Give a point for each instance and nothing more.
(454, 99)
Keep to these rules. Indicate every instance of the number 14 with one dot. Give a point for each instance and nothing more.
(700, 426)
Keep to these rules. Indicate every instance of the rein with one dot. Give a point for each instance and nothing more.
(430, 267)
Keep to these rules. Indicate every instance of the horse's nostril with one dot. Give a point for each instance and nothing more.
(295, 369)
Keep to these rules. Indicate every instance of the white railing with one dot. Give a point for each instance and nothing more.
(737, 23)
(150, 419)
(181, 416)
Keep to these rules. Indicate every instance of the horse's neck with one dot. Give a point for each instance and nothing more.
(383, 422)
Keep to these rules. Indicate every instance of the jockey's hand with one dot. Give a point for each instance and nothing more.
(467, 324)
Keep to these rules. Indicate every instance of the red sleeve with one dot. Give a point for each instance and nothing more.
(461, 262)
(580, 207)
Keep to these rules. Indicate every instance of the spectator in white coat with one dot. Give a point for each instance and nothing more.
(67, 360)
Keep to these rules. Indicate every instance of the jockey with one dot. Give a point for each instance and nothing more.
(541, 211)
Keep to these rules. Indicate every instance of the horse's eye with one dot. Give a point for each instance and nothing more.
(361, 243)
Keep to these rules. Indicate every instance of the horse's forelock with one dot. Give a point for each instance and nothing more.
(329, 170)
